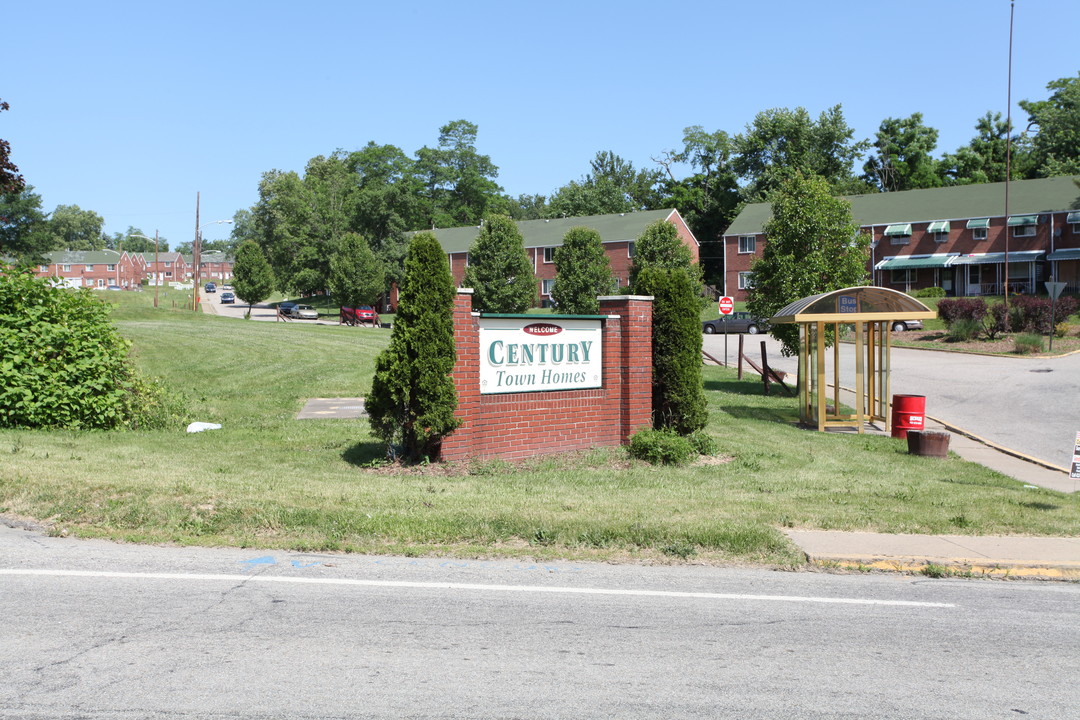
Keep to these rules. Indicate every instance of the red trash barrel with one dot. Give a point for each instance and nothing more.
(908, 413)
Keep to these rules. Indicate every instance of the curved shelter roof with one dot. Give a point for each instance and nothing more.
(854, 304)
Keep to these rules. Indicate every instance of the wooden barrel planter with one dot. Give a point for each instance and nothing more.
(928, 443)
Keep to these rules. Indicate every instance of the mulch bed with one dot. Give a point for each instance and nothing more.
(1003, 345)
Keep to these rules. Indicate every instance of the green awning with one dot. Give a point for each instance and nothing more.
(914, 263)
(939, 226)
(898, 230)
(1070, 254)
(1015, 220)
(1024, 256)
(1073, 218)
(978, 223)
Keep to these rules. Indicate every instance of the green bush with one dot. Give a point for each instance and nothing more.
(702, 442)
(64, 365)
(964, 330)
(1028, 344)
(930, 292)
(661, 447)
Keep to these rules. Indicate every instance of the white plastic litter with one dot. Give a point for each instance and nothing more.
(200, 426)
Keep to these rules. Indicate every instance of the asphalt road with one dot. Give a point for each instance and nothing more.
(1028, 405)
(96, 630)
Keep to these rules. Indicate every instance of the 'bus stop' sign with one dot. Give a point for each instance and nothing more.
(847, 304)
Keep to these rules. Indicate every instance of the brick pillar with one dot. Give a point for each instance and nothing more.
(635, 361)
(466, 374)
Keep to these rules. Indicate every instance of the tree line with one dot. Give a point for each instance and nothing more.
(380, 192)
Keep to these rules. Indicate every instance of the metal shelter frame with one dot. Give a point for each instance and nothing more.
(871, 310)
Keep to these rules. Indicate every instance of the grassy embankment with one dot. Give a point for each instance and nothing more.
(267, 479)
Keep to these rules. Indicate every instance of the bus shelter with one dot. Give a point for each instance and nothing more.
(865, 315)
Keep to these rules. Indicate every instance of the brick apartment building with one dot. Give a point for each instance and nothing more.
(953, 237)
(98, 269)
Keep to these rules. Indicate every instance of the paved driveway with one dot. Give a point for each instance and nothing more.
(1028, 405)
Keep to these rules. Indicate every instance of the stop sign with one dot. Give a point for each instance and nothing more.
(727, 305)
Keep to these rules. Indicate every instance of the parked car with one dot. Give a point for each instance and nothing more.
(285, 308)
(902, 325)
(738, 322)
(359, 315)
(304, 312)
(228, 297)
(211, 288)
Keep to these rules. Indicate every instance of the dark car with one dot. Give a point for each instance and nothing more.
(739, 322)
(211, 288)
(285, 308)
(228, 297)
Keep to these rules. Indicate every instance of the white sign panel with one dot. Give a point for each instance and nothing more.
(529, 354)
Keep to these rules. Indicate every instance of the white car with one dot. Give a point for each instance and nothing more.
(304, 312)
(902, 325)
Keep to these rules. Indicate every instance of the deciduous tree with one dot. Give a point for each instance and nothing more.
(356, 275)
(76, 229)
(24, 229)
(814, 246)
(780, 142)
(253, 278)
(902, 156)
(1056, 146)
(660, 246)
(11, 182)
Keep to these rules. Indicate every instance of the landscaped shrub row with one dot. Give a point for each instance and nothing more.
(1027, 313)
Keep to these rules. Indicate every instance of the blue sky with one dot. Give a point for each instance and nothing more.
(131, 108)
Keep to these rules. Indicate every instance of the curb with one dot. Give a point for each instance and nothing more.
(1000, 448)
(952, 566)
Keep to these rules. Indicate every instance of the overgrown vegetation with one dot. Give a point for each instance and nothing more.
(64, 365)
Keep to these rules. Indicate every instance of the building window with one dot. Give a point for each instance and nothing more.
(548, 285)
(101, 282)
(168, 263)
(899, 239)
(1020, 231)
(902, 277)
(89, 268)
(746, 280)
(747, 244)
(67, 268)
(630, 250)
(1076, 228)
(940, 237)
(980, 233)
(168, 274)
(549, 254)
(43, 268)
(110, 268)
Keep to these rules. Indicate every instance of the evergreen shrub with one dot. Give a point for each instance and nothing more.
(930, 292)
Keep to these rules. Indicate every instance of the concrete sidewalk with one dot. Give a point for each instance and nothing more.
(1032, 557)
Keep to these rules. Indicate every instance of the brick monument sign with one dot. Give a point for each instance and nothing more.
(535, 384)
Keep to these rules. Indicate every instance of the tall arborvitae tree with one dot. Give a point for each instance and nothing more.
(678, 395)
(412, 400)
(660, 246)
(499, 271)
(253, 279)
(583, 272)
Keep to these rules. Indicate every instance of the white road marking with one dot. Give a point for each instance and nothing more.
(468, 587)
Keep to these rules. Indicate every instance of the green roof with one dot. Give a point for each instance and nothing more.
(619, 227)
(1073, 217)
(978, 223)
(996, 258)
(960, 202)
(83, 257)
(898, 230)
(939, 226)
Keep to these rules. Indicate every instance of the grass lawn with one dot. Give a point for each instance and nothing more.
(266, 479)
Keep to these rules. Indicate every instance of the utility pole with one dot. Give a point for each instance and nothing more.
(195, 258)
(157, 268)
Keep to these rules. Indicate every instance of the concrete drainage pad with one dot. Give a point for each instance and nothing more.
(338, 408)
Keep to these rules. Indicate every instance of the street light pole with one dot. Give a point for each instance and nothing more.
(197, 257)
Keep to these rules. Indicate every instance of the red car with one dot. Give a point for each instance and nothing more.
(360, 315)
